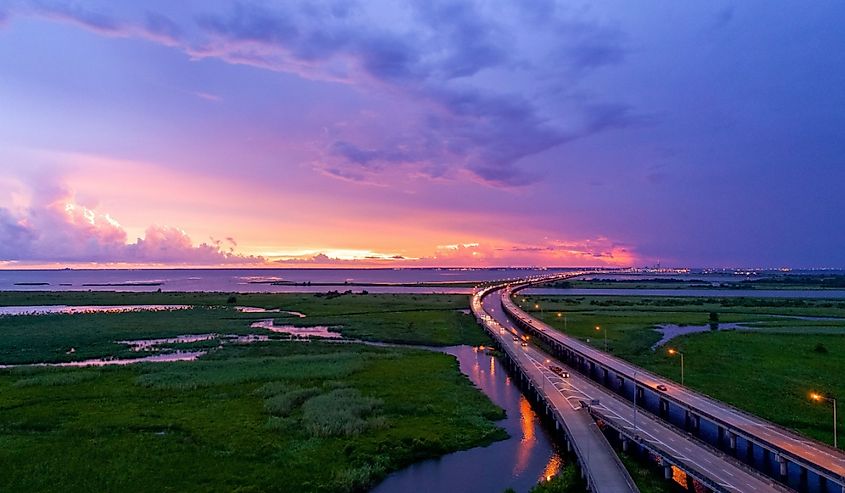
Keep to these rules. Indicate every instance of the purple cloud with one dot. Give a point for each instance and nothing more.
(441, 54)
(77, 14)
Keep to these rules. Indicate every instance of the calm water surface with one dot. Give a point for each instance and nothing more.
(698, 293)
(67, 309)
(518, 462)
(251, 280)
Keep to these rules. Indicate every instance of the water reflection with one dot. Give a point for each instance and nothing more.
(552, 468)
(314, 331)
(518, 462)
(527, 420)
(671, 331)
(255, 309)
(153, 344)
(157, 358)
(65, 309)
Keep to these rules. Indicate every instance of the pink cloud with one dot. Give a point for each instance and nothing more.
(55, 229)
(599, 252)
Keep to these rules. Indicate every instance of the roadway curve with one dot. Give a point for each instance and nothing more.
(812, 454)
(603, 470)
(696, 458)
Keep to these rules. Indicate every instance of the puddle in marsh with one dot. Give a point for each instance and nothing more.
(255, 309)
(66, 309)
(519, 462)
(156, 358)
(314, 331)
(671, 331)
(153, 344)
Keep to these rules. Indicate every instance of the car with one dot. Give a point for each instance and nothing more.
(564, 374)
(515, 338)
(662, 388)
(559, 371)
(524, 344)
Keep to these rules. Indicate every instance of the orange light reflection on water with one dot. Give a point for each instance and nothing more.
(552, 468)
(529, 436)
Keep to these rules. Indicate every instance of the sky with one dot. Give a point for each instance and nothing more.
(422, 133)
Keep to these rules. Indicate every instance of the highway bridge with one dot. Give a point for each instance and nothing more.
(700, 441)
(600, 466)
(791, 459)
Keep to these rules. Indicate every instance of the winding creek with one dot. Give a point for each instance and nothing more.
(518, 462)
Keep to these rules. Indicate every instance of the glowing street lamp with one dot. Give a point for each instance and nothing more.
(818, 398)
(598, 329)
(564, 320)
(673, 352)
(544, 375)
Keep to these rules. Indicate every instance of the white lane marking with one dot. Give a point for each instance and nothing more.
(677, 453)
(703, 403)
(694, 448)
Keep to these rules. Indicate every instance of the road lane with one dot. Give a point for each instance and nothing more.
(690, 454)
(605, 472)
(814, 455)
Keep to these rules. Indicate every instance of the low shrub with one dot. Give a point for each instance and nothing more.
(341, 412)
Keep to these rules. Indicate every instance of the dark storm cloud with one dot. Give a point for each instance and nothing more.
(466, 42)
(443, 55)
(160, 25)
(78, 14)
(246, 22)
(480, 129)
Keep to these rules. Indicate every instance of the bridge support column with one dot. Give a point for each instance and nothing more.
(624, 444)
(605, 380)
(688, 421)
(639, 392)
(732, 441)
(781, 460)
(667, 471)
(664, 408)
(749, 451)
(620, 384)
(720, 437)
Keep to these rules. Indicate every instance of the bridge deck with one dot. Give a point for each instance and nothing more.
(812, 454)
(605, 472)
(699, 460)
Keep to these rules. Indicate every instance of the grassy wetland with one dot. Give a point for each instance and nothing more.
(267, 416)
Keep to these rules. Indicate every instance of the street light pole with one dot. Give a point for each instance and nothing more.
(832, 400)
(564, 320)
(598, 329)
(674, 352)
(545, 377)
(682, 367)
(636, 405)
